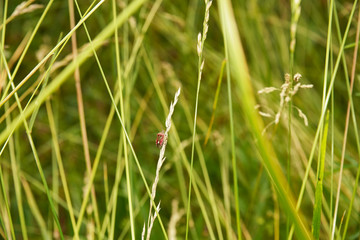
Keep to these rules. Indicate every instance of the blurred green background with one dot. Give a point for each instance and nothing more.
(154, 62)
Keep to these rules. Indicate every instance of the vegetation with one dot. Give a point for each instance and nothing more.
(179, 119)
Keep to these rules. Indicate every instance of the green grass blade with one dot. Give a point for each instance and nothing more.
(240, 72)
(200, 48)
(7, 207)
(35, 154)
(233, 154)
(215, 102)
(319, 185)
(61, 167)
(5, 197)
(15, 165)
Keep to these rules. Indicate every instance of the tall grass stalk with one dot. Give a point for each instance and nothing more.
(97, 158)
(118, 170)
(35, 154)
(200, 48)
(162, 140)
(12, 153)
(240, 72)
(295, 15)
(177, 144)
(81, 112)
(15, 165)
(7, 230)
(319, 185)
(223, 64)
(322, 116)
(233, 154)
(349, 107)
(201, 188)
(332, 124)
(61, 167)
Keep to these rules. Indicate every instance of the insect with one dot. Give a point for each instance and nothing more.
(160, 139)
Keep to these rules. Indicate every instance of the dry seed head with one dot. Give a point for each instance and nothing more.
(206, 27)
(285, 86)
(176, 215)
(303, 116)
(306, 86)
(265, 114)
(207, 15)
(287, 77)
(286, 92)
(208, 5)
(297, 2)
(296, 88)
(202, 65)
(160, 162)
(297, 77)
(267, 90)
(206, 19)
(152, 220)
(277, 118)
(292, 45)
(143, 233)
(199, 49)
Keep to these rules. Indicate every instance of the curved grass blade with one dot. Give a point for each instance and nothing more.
(239, 69)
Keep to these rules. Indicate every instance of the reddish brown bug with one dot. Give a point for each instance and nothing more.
(160, 139)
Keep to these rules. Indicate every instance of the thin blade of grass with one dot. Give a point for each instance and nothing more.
(45, 82)
(215, 102)
(13, 161)
(81, 111)
(35, 154)
(200, 48)
(7, 208)
(61, 167)
(316, 224)
(295, 15)
(233, 154)
(15, 164)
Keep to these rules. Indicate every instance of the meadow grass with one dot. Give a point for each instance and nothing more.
(262, 143)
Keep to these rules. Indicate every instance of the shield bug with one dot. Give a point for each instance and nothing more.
(160, 139)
